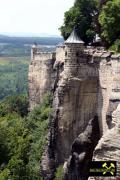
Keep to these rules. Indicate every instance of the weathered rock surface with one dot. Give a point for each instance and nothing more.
(74, 104)
(83, 146)
(41, 77)
(85, 83)
(108, 148)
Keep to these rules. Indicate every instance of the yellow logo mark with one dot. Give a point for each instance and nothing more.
(110, 169)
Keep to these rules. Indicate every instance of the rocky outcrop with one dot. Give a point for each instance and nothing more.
(108, 148)
(77, 166)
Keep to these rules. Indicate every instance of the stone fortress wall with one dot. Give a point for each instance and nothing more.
(84, 81)
(40, 75)
(88, 63)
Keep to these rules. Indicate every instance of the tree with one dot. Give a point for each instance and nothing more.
(14, 104)
(22, 140)
(14, 147)
(109, 19)
(80, 16)
(92, 17)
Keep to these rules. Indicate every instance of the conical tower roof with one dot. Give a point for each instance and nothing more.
(74, 38)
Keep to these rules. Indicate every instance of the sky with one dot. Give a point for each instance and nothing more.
(27, 17)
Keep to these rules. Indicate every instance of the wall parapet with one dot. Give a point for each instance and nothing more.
(36, 54)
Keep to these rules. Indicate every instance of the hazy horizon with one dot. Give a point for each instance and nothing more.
(32, 17)
(28, 34)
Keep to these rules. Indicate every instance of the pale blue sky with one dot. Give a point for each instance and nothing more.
(32, 16)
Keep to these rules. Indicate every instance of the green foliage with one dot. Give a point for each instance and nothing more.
(37, 123)
(59, 173)
(116, 46)
(80, 16)
(22, 140)
(13, 76)
(91, 17)
(17, 104)
(14, 147)
(110, 22)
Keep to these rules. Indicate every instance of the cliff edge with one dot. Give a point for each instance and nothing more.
(85, 83)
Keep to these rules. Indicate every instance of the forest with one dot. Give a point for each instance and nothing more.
(22, 137)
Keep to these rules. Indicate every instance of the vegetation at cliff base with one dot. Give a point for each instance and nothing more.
(59, 173)
(92, 17)
(22, 138)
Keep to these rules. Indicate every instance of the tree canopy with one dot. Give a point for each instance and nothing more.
(109, 19)
(80, 16)
(22, 138)
(92, 17)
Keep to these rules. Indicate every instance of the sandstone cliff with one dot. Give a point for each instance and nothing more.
(85, 83)
(77, 166)
(108, 147)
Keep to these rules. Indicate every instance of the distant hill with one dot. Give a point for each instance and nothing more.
(3, 36)
(21, 46)
(31, 40)
(30, 35)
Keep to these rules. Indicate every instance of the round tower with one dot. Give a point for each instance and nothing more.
(74, 48)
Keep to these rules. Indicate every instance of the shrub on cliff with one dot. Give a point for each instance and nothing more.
(116, 46)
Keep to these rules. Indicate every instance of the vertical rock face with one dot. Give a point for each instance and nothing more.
(85, 83)
(77, 104)
(74, 104)
(109, 78)
(75, 100)
(77, 165)
(108, 148)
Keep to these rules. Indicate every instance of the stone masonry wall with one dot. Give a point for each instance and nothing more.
(41, 77)
(60, 53)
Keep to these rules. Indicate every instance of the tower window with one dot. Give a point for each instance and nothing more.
(77, 54)
(66, 53)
